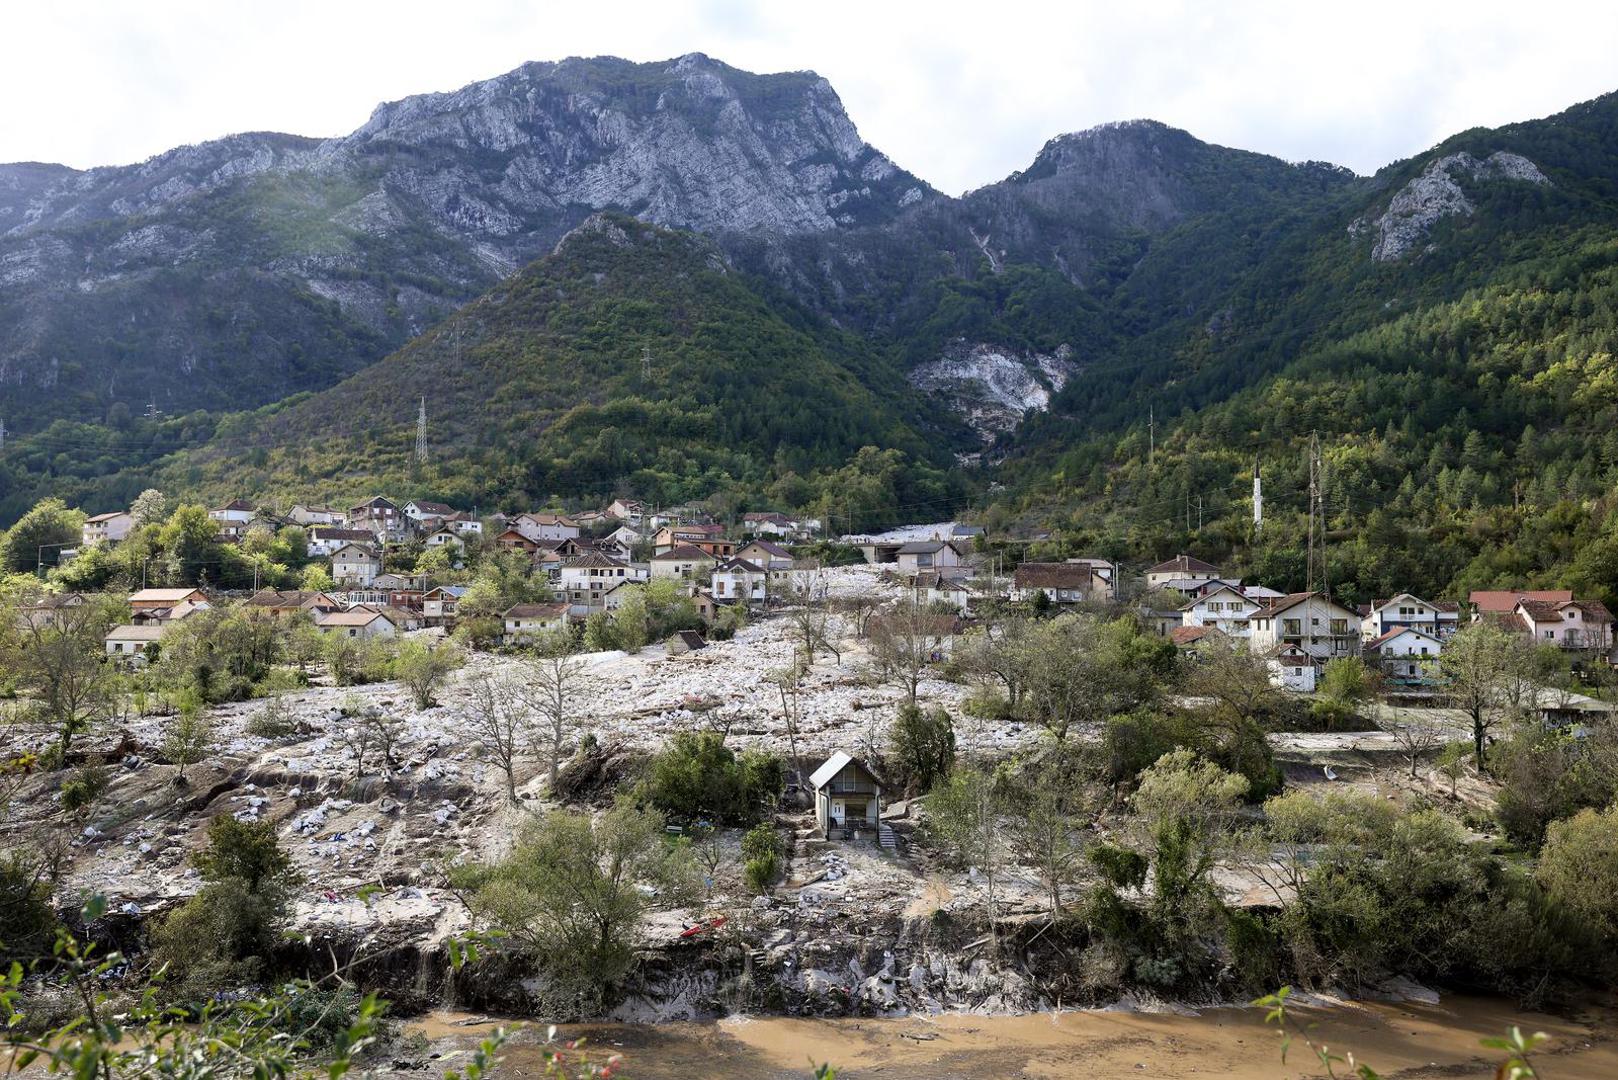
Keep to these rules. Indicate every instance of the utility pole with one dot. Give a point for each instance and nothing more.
(421, 433)
(2, 434)
(1151, 434)
(1199, 512)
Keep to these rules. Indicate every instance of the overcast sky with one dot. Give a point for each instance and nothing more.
(961, 94)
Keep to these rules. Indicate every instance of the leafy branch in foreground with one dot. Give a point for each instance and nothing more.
(1514, 1043)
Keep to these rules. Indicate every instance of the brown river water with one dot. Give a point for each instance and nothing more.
(1406, 1040)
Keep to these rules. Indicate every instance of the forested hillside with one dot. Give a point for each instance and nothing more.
(1464, 393)
(632, 360)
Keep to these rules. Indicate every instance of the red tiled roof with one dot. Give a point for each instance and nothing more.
(1506, 599)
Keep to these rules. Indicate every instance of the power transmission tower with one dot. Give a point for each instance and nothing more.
(1151, 434)
(1258, 498)
(1314, 500)
(421, 433)
(646, 363)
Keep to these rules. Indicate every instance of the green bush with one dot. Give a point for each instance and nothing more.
(26, 918)
(699, 777)
(921, 748)
(81, 789)
(273, 720)
(1121, 867)
(760, 873)
(220, 936)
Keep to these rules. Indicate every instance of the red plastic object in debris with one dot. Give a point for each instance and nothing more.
(712, 924)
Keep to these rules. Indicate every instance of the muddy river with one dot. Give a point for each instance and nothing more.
(1398, 1040)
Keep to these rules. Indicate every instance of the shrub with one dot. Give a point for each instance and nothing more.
(26, 918)
(273, 720)
(219, 937)
(423, 669)
(922, 747)
(760, 873)
(1122, 868)
(698, 776)
(80, 790)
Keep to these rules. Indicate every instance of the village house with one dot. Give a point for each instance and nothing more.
(673, 536)
(465, 524)
(776, 560)
(546, 526)
(684, 641)
(1180, 568)
(932, 589)
(1106, 574)
(1574, 625)
(1308, 621)
(285, 603)
(525, 622)
(445, 537)
(235, 512)
(512, 540)
(51, 609)
(1438, 620)
(685, 562)
(1224, 609)
(626, 536)
(1499, 604)
(379, 515)
(315, 515)
(739, 580)
(355, 564)
(360, 622)
(324, 540)
(172, 614)
(107, 528)
(1404, 653)
(130, 643)
(1292, 669)
(919, 555)
(771, 523)
(608, 545)
(440, 605)
(596, 573)
(162, 599)
(631, 512)
(421, 510)
(1189, 639)
(1061, 582)
(848, 797)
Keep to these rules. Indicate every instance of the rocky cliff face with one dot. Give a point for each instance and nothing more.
(1436, 194)
(267, 264)
(994, 387)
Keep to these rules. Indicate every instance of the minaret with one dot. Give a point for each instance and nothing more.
(1258, 499)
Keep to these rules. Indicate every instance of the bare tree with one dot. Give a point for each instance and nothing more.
(1416, 734)
(1480, 667)
(788, 682)
(902, 643)
(558, 684)
(810, 615)
(502, 722)
(857, 610)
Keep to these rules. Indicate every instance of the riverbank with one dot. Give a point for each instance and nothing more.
(1407, 1040)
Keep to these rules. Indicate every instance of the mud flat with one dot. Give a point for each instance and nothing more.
(1398, 1040)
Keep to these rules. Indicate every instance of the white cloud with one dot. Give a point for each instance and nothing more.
(961, 93)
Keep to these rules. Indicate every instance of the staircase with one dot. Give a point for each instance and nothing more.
(887, 838)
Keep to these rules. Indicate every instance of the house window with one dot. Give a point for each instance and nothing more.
(1550, 634)
(1292, 626)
